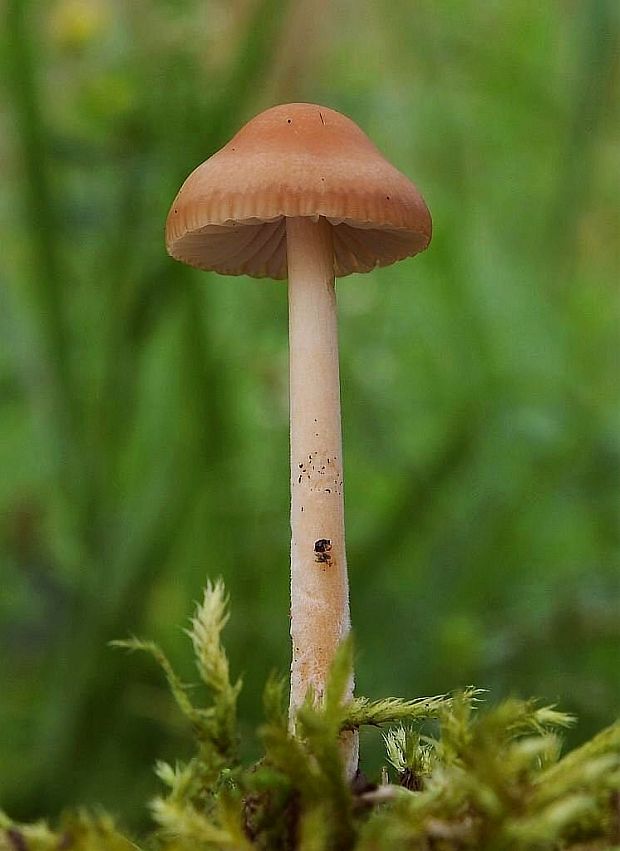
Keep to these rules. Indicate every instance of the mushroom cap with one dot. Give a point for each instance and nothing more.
(297, 159)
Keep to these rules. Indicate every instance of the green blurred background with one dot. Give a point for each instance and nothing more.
(143, 405)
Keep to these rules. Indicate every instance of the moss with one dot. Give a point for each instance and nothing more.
(477, 779)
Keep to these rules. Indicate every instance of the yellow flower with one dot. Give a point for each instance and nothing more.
(75, 23)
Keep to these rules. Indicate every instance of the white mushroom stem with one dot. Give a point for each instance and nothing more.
(319, 586)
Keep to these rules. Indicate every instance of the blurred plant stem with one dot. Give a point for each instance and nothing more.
(255, 54)
(415, 500)
(597, 45)
(44, 276)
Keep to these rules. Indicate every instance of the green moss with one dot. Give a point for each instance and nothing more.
(472, 778)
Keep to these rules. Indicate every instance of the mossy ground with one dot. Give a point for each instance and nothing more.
(457, 776)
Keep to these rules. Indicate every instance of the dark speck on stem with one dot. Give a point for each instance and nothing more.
(322, 549)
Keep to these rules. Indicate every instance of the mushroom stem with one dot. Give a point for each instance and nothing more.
(319, 586)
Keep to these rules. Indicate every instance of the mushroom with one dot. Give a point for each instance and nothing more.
(301, 193)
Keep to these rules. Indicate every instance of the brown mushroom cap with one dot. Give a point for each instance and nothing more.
(297, 159)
